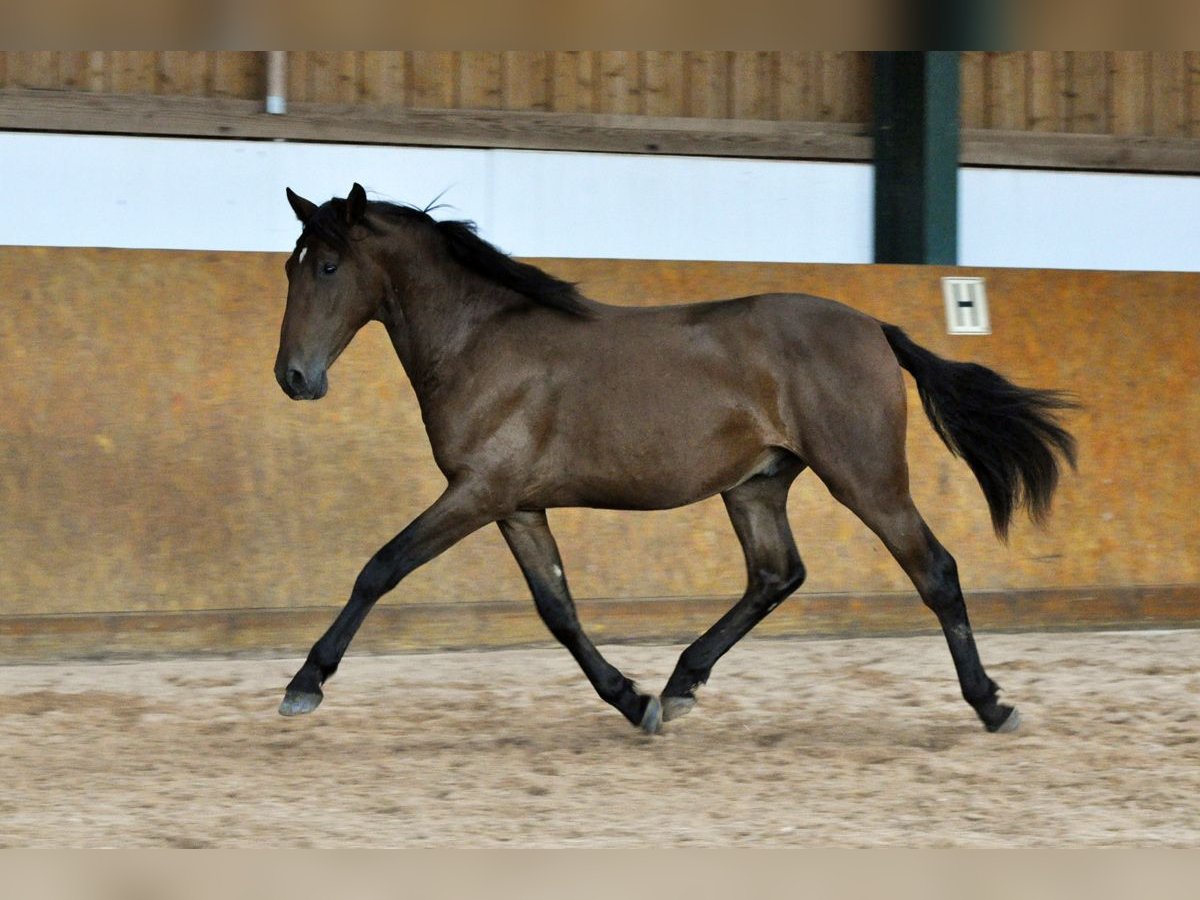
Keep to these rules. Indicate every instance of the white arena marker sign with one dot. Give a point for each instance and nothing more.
(966, 306)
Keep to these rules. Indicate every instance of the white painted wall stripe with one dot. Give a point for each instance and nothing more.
(104, 191)
(1079, 220)
(78, 190)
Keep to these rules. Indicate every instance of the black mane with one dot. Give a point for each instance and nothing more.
(466, 247)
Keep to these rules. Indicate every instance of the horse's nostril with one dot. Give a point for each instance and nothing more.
(296, 380)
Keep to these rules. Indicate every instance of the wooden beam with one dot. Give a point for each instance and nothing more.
(1098, 152)
(424, 627)
(182, 116)
(231, 118)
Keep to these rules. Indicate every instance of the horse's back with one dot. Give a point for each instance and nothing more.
(660, 406)
(804, 338)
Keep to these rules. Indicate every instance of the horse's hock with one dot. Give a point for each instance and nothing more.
(161, 495)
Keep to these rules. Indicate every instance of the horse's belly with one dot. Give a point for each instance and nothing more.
(660, 472)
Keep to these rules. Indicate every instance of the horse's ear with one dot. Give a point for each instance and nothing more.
(356, 204)
(303, 209)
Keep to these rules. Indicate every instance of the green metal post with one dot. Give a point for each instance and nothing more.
(916, 157)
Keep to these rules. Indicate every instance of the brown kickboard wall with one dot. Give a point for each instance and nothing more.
(152, 466)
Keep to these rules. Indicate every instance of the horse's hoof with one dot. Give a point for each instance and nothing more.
(1010, 724)
(1001, 719)
(652, 718)
(676, 707)
(296, 703)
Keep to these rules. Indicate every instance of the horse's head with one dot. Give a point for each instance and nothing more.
(334, 289)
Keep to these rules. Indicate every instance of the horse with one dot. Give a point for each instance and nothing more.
(535, 397)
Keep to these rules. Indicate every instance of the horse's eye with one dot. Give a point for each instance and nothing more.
(329, 268)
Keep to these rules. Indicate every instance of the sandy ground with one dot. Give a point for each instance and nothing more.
(794, 743)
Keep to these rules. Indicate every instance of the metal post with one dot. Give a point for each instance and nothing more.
(916, 157)
(277, 82)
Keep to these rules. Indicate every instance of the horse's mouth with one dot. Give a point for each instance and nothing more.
(310, 393)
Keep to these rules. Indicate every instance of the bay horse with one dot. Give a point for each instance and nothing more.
(536, 397)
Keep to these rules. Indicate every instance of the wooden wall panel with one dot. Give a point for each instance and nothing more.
(324, 78)
(619, 83)
(152, 465)
(755, 84)
(135, 72)
(1124, 93)
(34, 69)
(1127, 93)
(384, 78)
(706, 84)
(1169, 100)
(1045, 92)
(432, 79)
(1130, 80)
(846, 82)
(662, 82)
(1089, 92)
(1091, 110)
(481, 79)
(571, 81)
(1192, 65)
(185, 73)
(799, 87)
(1005, 101)
(525, 79)
(238, 74)
(973, 89)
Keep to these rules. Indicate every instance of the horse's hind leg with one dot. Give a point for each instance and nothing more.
(758, 510)
(935, 575)
(889, 511)
(528, 536)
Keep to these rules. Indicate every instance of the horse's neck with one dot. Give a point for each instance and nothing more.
(432, 316)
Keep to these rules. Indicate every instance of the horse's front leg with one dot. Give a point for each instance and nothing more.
(528, 536)
(457, 513)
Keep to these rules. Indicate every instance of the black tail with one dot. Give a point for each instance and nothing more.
(1008, 435)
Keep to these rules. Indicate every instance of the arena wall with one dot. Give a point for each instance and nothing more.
(160, 494)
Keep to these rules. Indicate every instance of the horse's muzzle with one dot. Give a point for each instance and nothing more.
(300, 386)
